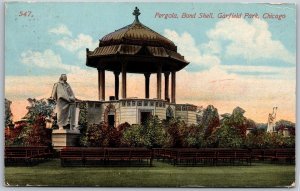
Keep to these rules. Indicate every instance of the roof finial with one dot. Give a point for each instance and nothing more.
(136, 13)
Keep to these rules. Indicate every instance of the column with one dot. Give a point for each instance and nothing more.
(173, 87)
(101, 84)
(167, 97)
(159, 82)
(117, 73)
(123, 80)
(147, 82)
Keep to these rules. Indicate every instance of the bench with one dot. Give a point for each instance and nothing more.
(69, 155)
(94, 156)
(284, 154)
(242, 155)
(26, 155)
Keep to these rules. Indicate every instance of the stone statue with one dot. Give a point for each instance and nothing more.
(271, 120)
(65, 103)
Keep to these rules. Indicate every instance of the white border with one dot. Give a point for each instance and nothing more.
(2, 82)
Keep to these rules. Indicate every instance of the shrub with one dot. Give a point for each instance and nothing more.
(132, 136)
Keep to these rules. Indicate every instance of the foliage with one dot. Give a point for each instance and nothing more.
(210, 120)
(29, 134)
(12, 135)
(132, 136)
(153, 133)
(82, 121)
(256, 139)
(236, 120)
(32, 130)
(228, 137)
(36, 133)
(194, 137)
(289, 142)
(38, 108)
(282, 124)
(101, 135)
(123, 126)
(263, 139)
(250, 124)
(95, 135)
(8, 113)
(176, 133)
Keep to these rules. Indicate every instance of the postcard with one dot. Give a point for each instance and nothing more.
(150, 94)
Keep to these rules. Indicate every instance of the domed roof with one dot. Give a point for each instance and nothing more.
(137, 34)
(141, 48)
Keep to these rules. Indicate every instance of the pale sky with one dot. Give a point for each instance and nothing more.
(246, 62)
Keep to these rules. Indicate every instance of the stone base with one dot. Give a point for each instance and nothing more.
(65, 138)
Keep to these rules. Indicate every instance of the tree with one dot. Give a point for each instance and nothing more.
(176, 132)
(102, 135)
(236, 120)
(95, 136)
(36, 133)
(132, 136)
(153, 133)
(12, 136)
(39, 108)
(282, 124)
(32, 130)
(210, 120)
(250, 124)
(228, 137)
(258, 138)
(8, 113)
(194, 136)
(82, 121)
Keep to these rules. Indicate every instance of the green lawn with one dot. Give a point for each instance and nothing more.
(162, 174)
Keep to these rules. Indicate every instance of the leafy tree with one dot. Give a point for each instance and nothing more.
(228, 137)
(102, 135)
(114, 135)
(289, 142)
(12, 136)
(250, 124)
(176, 132)
(82, 121)
(32, 130)
(210, 120)
(36, 133)
(8, 113)
(257, 139)
(282, 124)
(132, 136)
(39, 108)
(236, 120)
(153, 133)
(95, 135)
(263, 139)
(123, 126)
(195, 136)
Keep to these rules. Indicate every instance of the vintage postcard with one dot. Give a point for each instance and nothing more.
(150, 94)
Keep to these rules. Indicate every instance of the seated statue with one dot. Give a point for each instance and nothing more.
(65, 103)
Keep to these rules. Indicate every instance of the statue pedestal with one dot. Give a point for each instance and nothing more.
(65, 138)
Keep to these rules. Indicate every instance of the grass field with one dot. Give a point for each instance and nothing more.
(161, 175)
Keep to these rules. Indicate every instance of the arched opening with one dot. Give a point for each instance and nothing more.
(169, 113)
(110, 115)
